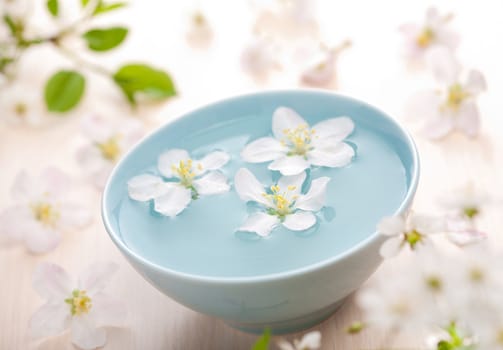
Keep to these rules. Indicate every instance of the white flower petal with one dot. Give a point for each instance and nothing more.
(467, 237)
(96, 129)
(248, 187)
(50, 319)
(336, 156)
(475, 82)
(41, 239)
(293, 181)
(426, 224)
(391, 225)
(314, 199)
(422, 105)
(96, 276)
(108, 311)
(284, 345)
(174, 201)
(299, 221)
(260, 223)
(214, 160)
(445, 67)
(311, 341)
(16, 221)
(338, 128)
(52, 282)
(391, 247)
(263, 150)
(85, 334)
(145, 187)
(468, 119)
(322, 72)
(289, 165)
(54, 181)
(438, 128)
(169, 158)
(22, 188)
(285, 118)
(212, 183)
(73, 216)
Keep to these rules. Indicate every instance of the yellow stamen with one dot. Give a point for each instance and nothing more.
(298, 139)
(476, 275)
(110, 149)
(425, 38)
(20, 109)
(45, 213)
(79, 302)
(185, 172)
(499, 337)
(413, 238)
(455, 96)
(282, 205)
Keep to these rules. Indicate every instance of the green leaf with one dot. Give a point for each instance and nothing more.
(105, 39)
(53, 7)
(140, 79)
(64, 90)
(263, 342)
(104, 8)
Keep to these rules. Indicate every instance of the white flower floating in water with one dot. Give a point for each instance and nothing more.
(412, 231)
(41, 211)
(295, 146)
(283, 202)
(454, 107)
(188, 179)
(310, 341)
(108, 141)
(79, 305)
(434, 32)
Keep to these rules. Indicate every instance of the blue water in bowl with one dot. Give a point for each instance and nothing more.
(202, 240)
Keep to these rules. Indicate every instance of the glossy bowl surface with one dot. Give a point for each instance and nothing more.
(293, 280)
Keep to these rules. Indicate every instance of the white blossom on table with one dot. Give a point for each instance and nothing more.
(79, 305)
(464, 205)
(107, 141)
(183, 179)
(41, 211)
(323, 72)
(433, 32)
(403, 302)
(453, 106)
(287, 20)
(21, 104)
(283, 203)
(412, 231)
(309, 341)
(199, 33)
(259, 58)
(296, 147)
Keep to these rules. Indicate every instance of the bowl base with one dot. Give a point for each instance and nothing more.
(290, 326)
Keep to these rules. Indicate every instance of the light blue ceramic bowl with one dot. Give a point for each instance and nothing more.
(291, 280)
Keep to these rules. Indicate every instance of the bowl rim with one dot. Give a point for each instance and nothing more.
(404, 205)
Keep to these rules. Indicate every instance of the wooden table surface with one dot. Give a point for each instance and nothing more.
(372, 70)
